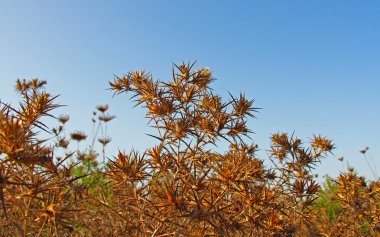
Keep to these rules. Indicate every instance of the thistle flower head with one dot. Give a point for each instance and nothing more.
(63, 143)
(322, 144)
(63, 118)
(102, 108)
(104, 140)
(78, 136)
(106, 118)
(363, 151)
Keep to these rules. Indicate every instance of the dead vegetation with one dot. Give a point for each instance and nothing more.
(179, 187)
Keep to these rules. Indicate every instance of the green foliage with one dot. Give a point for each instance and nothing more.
(92, 175)
(326, 201)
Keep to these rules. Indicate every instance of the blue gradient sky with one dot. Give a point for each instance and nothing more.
(313, 66)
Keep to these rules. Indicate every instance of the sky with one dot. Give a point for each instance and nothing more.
(313, 66)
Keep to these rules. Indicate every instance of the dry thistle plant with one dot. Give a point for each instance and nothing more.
(179, 187)
(35, 191)
(182, 187)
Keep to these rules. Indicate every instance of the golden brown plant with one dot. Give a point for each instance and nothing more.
(36, 193)
(181, 186)
(192, 190)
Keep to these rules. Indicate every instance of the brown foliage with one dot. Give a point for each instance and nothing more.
(179, 187)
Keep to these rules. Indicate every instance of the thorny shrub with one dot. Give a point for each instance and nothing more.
(179, 187)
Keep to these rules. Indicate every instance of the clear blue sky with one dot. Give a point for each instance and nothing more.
(314, 66)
